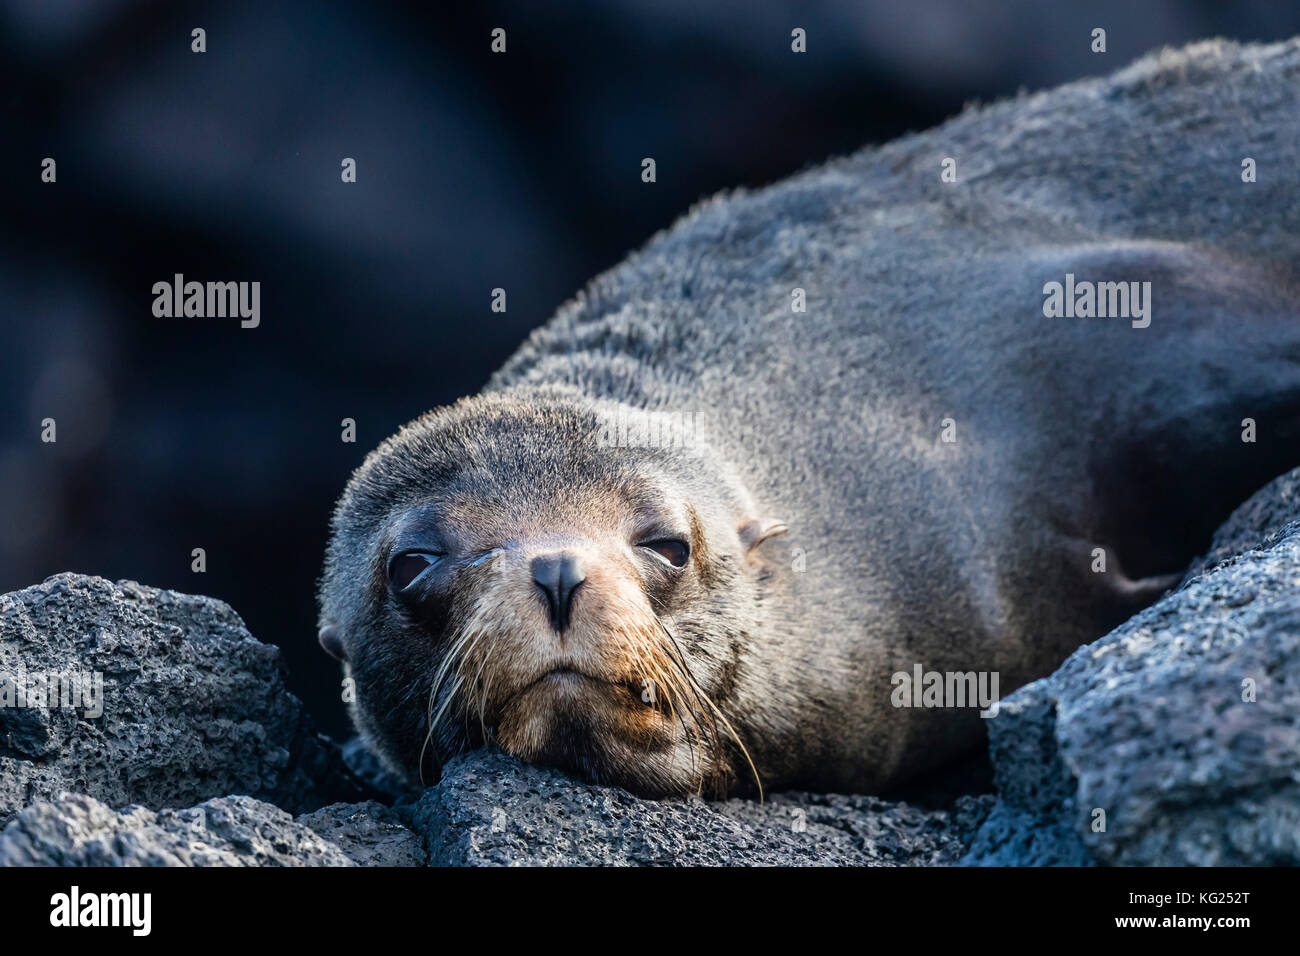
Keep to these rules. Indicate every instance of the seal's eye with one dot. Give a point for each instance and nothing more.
(670, 549)
(405, 568)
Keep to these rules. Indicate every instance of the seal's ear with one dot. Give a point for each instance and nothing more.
(757, 530)
(331, 638)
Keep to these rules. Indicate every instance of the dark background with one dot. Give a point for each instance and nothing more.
(475, 171)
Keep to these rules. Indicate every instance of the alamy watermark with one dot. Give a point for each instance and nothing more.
(923, 688)
(67, 690)
(636, 429)
(1102, 300)
(74, 908)
(210, 300)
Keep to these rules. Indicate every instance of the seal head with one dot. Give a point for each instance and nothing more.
(508, 571)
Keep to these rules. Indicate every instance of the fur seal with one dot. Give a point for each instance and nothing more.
(589, 565)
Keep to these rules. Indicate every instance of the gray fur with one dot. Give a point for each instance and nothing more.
(924, 303)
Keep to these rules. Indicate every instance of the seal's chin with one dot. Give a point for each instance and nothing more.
(600, 730)
(573, 720)
(565, 682)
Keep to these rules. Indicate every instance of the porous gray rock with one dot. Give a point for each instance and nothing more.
(370, 833)
(192, 706)
(77, 830)
(1182, 726)
(491, 810)
(1255, 524)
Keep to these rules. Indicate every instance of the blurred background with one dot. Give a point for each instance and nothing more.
(474, 170)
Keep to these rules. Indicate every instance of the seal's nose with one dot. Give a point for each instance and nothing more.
(558, 576)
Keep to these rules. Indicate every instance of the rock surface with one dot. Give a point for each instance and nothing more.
(76, 830)
(491, 810)
(192, 706)
(1256, 524)
(370, 833)
(1182, 726)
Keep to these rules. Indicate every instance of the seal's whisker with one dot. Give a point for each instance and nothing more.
(482, 715)
(689, 688)
(452, 664)
(668, 689)
(460, 645)
(480, 692)
(457, 647)
(685, 687)
(457, 684)
(704, 697)
(680, 701)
